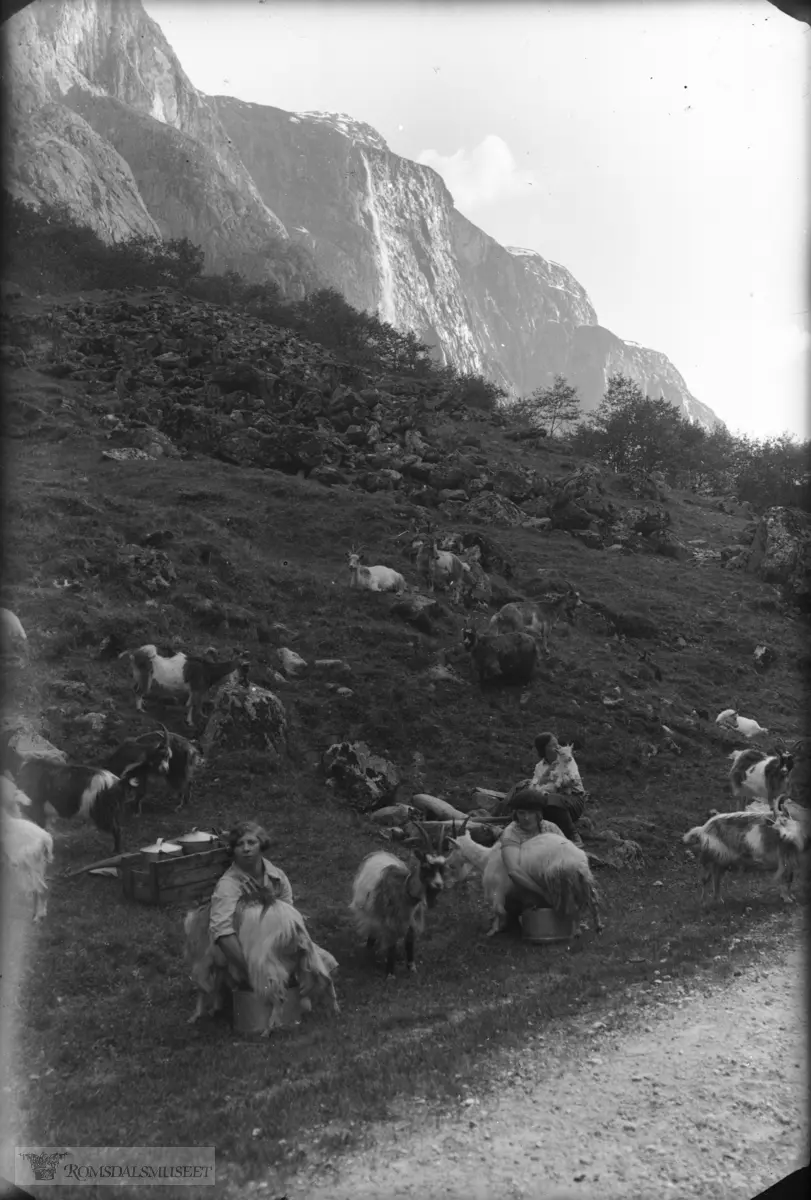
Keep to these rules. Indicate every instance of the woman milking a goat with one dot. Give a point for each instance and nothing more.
(214, 945)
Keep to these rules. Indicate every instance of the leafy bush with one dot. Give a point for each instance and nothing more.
(551, 408)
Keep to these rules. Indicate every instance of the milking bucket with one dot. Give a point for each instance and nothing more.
(545, 925)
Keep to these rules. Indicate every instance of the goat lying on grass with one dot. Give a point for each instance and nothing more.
(747, 726)
(178, 675)
(389, 901)
(373, 579)
(276, 945)
(25, 848)
(747, 840)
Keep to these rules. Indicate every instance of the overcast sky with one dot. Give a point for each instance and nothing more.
(656, 149)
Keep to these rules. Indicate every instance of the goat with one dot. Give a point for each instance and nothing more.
(276, 945)
(389, 901)
(165, 755)
(510, 657)
(561, 776)
(25, 848)
(373, 579)
(758, 776)
(537, 619)
(557, 866)
(13, 639)
(70, 789)
(747, 839)
(730, 719)
(179, 674)
(446, 568)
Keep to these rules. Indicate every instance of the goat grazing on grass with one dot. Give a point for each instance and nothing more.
(178, 675)
(277, 947)
(507, 657)
(746, 726)
(71, 790)
(747, 840)
(25, 848)
(758, 776)
(373, 579)
(161, 755)
(539, 619)
(389, 901)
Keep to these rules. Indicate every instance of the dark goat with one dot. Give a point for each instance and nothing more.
(71, 790)
(161, 755)
(389, 901)
(178, 674)
(509, 657)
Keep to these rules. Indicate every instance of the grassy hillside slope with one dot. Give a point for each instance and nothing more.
(104, 1054)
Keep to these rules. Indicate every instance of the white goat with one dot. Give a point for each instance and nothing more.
(748, 840)
(447, 569)
(561, 776)
(389, 901)
(374, 579)
(730, 719)
(276, 945)
(13, 638)
(555, 864)
(26, 848)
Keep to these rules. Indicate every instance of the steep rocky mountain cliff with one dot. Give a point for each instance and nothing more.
(102, 116)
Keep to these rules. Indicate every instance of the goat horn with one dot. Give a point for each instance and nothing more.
(425, 835)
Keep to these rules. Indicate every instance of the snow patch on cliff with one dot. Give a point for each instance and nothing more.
(356, 131)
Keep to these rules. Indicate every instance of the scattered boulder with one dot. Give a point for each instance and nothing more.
(246, 717)
(365, 779)
(419, 611)
(292, 664)
(781, 553)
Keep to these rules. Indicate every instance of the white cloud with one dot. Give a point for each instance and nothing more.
(482, 175)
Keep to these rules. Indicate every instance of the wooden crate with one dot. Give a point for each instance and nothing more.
(175, 881)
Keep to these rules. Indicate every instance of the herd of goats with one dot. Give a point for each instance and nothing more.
(390, 900)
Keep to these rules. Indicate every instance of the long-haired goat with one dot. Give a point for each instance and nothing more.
(162, 755)
(748, 840)
(555, 865)
(373, 579)
(389, 901)
(178, 675)
(536, 618)
(276, 945)
(71, 789)
(506, 657)
(758, 776)
(25, 848)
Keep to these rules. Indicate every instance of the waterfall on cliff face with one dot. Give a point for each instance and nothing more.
(387, 312)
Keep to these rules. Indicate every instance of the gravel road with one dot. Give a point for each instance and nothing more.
(695, 1090)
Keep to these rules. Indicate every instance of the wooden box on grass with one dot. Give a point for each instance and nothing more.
(177, 880)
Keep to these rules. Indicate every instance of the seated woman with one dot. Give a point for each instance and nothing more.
(527, 806)
(249, 874)
(557, 777)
